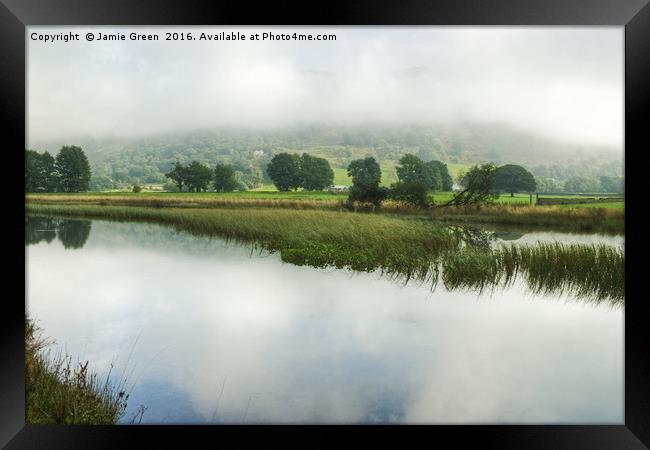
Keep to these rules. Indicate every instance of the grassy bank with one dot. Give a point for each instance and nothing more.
(558, 217)
(61, 392)
(396, 246)
(569, 217)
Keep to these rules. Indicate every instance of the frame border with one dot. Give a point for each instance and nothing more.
(634, 15)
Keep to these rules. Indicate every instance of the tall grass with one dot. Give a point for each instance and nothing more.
(579, 219)
(398, 247)
(591, 272)
(561, 217)
(59, 391)
(318, 238)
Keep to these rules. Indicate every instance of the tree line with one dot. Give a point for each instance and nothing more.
(121, 162)
(416, 179)
(287, 171)
(198, 177)
(69, 171)
(291, 171)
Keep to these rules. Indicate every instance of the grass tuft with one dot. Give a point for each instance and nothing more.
(61, 392)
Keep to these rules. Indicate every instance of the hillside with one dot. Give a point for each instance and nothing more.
(118, 162)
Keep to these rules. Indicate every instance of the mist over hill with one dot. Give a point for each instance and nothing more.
(124, 161)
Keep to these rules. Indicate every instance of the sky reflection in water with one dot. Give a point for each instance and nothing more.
(186, 317)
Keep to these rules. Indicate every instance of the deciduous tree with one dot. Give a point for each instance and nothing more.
(73, 169)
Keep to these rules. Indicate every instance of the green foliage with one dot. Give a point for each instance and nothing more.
(412, 193)
(412, 169)
(69, 172)
(250, 173)
(366, 176)
(612, 184)
(33, 171)
(198, 177)
(224, 178)
(170, 187)
(549, 185)
(316, 173)
(73, 169)
(178, 175)
(285, 172)
(445, 181)
(513, 178)
(582, 184)
(136, 189)
(60, 392)
(40, 172)
(365, 172)
(478, 185)
(144, 160)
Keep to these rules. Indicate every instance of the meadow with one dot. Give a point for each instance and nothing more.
(602, 217)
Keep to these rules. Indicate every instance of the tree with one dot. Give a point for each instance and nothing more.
(582, 184)
(512, 178)
(284, 171)
(412, 169)
(136, 188)
(414, 193)
(224, 178)
(40, 172)
(549, 185)
(366, 175)
(33, 171)
(316, 173)
(478, 185)
(612, 184)
(73, 169)
(198, 177)
(50, 176)
(446, 182)
(178, 175)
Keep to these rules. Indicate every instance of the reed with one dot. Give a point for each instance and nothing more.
(560, 217)
(399, 247)
(591, 272)
(59, 391)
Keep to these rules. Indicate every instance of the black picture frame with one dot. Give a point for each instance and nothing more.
(634, 15)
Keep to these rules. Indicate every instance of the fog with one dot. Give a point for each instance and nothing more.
(563, 83)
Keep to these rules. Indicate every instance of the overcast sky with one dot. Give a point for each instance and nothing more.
(564, 83)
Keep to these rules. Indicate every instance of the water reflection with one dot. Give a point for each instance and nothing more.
(73, 234)
(481, 260)
(210, 334)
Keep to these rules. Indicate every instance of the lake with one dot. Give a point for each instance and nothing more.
(208, 331)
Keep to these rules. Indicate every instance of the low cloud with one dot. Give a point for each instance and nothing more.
(564, 83)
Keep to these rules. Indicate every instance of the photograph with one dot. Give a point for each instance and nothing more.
(325, 225)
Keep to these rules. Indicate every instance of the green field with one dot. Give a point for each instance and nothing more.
(601, 217)
(270, 193)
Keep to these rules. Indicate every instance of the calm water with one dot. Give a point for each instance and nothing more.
(208, 331)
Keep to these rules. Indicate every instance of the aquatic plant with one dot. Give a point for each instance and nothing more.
(592, 272)
(398, 247)
(560, 217)
(59, 391)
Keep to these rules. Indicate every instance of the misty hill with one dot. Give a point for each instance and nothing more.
(118, 162)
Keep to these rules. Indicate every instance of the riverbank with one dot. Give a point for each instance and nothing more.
(60, 392)
(561, 218)
(394, 245)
